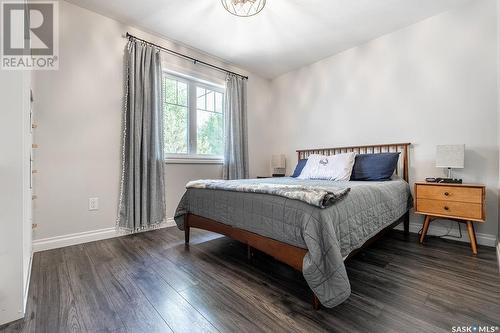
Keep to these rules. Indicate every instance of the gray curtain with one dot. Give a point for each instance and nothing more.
(142, 194)
(235, 121)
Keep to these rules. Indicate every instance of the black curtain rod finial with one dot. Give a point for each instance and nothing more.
(194, 60)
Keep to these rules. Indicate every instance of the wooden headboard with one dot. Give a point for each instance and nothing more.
(403, 148)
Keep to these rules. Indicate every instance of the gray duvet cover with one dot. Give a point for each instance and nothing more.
(328, 234)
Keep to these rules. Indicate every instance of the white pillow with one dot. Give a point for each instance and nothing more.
(335, 167)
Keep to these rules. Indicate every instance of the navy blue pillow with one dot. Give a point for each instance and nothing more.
(374, 167)
(299, 167)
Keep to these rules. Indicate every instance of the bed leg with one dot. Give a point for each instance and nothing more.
(406, 225)
(186, 230)
(315, 302)
(186, 235)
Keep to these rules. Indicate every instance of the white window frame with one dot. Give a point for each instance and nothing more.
(192, 84)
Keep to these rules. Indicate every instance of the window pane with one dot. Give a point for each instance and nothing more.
(182, 93)
(210, 139)
(218, 102)
(170, 92)
(200, 101)
(176, 129)
(207, 131)
(210, 101)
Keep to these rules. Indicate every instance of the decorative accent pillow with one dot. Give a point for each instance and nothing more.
(298, 169)
(374, 167)
(335, 167)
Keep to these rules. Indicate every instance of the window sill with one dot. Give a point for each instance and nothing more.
(194, 160)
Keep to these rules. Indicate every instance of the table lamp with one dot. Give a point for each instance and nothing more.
(278, 164)
(450, 157)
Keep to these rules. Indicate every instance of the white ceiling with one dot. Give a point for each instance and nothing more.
(286, 35)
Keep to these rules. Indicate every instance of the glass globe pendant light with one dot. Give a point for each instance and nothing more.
(244, 8)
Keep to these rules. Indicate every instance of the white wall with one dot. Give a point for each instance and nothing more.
(431, 83)
(498, 123)
(79, 109)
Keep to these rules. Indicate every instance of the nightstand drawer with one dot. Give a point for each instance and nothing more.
(450, 208)
(450, 193)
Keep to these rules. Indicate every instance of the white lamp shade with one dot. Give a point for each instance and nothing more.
(278, 161)
(450, 156)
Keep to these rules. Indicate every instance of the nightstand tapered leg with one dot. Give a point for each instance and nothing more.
(427, 221)
(472, 237)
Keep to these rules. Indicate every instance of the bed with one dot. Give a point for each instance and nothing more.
(313, 240)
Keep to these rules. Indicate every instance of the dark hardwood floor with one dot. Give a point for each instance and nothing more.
(151, 283)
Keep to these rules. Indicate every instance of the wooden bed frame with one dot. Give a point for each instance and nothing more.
(289, 254)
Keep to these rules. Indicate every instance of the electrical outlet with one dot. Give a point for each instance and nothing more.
(93, 203)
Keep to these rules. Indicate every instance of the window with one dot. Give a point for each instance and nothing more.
(193, 119)
(176, 116)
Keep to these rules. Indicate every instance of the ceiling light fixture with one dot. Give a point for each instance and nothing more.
(244, 8)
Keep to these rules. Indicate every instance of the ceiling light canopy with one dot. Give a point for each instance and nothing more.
(244, 8)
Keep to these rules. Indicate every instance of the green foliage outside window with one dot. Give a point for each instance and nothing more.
(209, 118)
(210, 135)
(175, 115)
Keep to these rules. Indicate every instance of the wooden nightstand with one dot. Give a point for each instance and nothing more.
(459, 202)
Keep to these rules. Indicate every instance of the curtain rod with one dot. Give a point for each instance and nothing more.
(194, 60)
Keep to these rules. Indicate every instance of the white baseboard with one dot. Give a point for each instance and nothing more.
(83, 237)
(438, 229)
